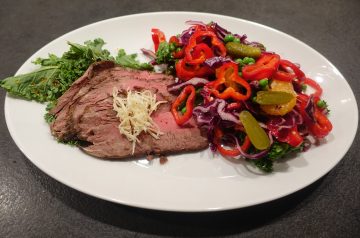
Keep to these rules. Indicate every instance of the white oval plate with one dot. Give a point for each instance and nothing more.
(189, 182)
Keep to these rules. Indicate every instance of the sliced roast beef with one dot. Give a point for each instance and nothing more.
(85, 113)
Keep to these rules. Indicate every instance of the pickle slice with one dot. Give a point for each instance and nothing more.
(257, 135)
(239, 50)
(273, 97)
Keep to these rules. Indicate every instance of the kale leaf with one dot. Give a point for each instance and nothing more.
(164, 53)
(277, 150)
(56, 74)
(263, 164)
(130, 61)
(280, 149)
(40, 85)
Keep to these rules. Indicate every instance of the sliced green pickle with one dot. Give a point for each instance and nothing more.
(257, 135)
(239, 50)
(273, 97)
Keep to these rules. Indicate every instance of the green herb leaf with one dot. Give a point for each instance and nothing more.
(40, 85)
(263, 164)
(130, 61)
(58, 73)
(164, 53)
(279, 150)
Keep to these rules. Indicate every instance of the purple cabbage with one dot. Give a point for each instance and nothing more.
(149, 53)
(185, 36)
(222, 32)
(251, 156)
(309, 109)
(214, 111)
(196, 82)
(287, 121)
(217, 61)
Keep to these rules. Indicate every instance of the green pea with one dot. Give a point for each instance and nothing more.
(238, 50)
(239, 61)
(321, 104)
(263, 83)
(236, 40)
(303, 87)
(183, 110)
(248, 60)
(229, 38)
(172, 47)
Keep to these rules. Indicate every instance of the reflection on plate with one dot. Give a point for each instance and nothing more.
(190, 182)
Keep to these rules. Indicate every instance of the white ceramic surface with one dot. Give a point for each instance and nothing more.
(190, 182)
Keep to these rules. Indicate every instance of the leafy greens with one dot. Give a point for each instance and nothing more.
(277, 151)
(56, 74)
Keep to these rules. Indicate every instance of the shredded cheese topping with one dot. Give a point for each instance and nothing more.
(134, 111)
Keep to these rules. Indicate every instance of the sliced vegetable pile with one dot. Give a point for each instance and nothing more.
(251, 102)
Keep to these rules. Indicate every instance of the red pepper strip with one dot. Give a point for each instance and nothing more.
(322, 126)
(201, 52)
(175, 40)
(228, 77)
(188, 95)
(302, 100)
(230, 152)
(178, 53)
(290, 136)
(157, 37)
(297, 71)
(197, 38)
(314, 85)
(294, 138)
(186, 72)
(234, 106)
(264, 67)
(284, 76)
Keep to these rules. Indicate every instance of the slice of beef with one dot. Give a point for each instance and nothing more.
(85, 112)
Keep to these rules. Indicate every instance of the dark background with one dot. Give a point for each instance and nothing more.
(34, 205)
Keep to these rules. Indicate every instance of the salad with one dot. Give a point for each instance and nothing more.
(253, 103)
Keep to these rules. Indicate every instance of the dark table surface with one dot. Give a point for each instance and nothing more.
(33, 204)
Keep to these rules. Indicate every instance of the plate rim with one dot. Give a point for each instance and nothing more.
(132, 204)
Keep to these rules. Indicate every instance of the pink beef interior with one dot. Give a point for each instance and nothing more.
(85, 113)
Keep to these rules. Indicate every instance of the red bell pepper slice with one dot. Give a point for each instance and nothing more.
(200, 53)
(228, 78)
(322, 125)
(187, 95)
(264, 67)
(229, 152)
(198, 37)
(288, 76)
(180, 52)
(186, 72)
(297, 71)
(157, 37)
(302, 100)
(284, 76)
(314, 85)
(174, 40)
(287, 135)
(317, 123)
